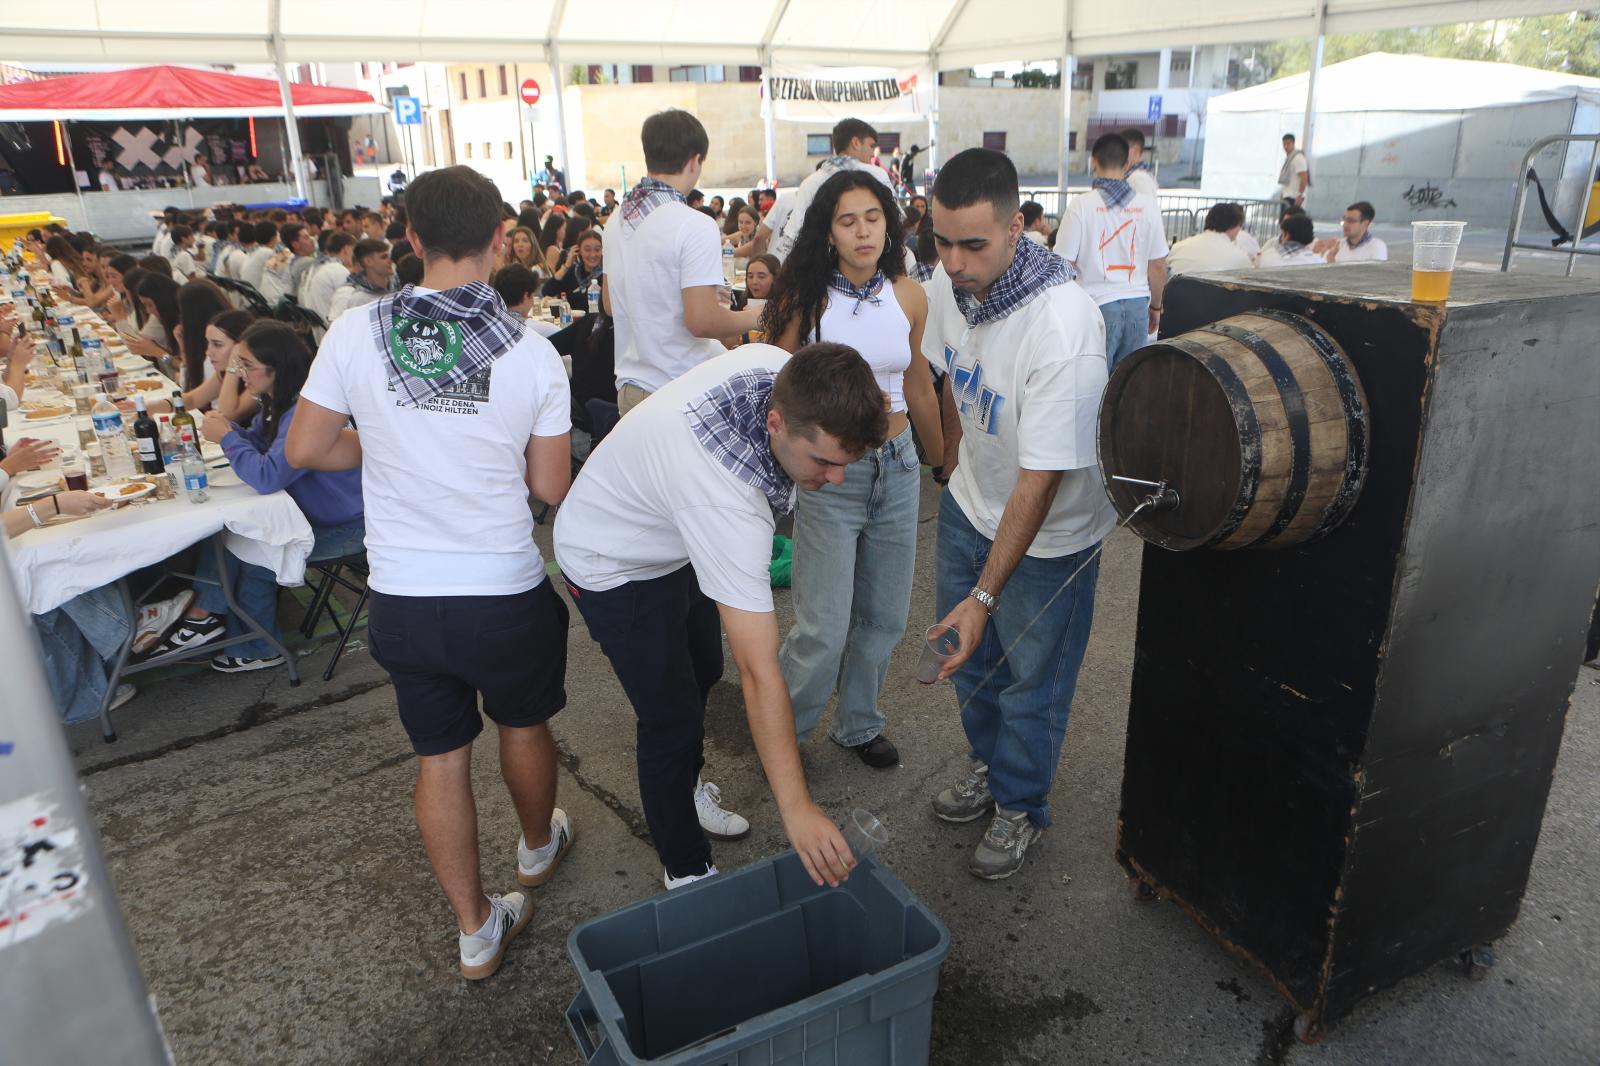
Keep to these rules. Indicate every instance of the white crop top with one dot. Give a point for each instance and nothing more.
(881, 332)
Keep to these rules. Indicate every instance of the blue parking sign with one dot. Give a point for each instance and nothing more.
(407, 111)
(1154, 111)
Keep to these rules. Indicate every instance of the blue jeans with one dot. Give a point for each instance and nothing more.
(1016, 720)
(256, 588)
(855, 550)
(1127, 328)
(78, 640)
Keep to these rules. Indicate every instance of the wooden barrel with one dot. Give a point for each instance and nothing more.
(1258, 422)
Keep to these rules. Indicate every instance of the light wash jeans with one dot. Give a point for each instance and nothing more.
(1016, 720)
(1127, 328)
(855, 549)
(256, 588)
(79, 640)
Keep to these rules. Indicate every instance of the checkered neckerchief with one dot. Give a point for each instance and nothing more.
(1117, 192)
(730, 422)
(921, 271)
(1033, 270)
(644, 198)
(488, 332)
(867, 293)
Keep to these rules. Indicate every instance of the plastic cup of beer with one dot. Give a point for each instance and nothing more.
(865, 833)
(939, 646)
(1433, 259)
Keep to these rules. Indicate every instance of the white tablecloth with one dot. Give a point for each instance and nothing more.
(64, 559)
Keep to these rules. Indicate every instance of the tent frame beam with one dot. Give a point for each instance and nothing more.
(291, 125)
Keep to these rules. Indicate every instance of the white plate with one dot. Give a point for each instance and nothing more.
(131, 362)
(112, 493)
(36, 481)
(221, 479)
(22, 422)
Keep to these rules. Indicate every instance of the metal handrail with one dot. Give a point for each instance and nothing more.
(1520, 200)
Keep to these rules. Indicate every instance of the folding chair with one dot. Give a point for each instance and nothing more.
(336, 573)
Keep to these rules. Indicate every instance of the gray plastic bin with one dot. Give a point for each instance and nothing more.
(761, 966)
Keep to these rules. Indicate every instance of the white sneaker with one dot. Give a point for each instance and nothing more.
(124, 693)
(156, 618)
(481, 956)
(717, 823)
(536, 866)
(679, 882)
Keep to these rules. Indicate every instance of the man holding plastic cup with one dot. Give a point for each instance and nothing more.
(1025, 356)
(668, 530)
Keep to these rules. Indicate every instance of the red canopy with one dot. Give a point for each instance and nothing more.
(171, 92)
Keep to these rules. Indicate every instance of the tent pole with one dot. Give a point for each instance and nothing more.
(77, 187)
(933, 129)
(1068, 64)
(1311, 81)
(292, 127)
(767, 108)
(188, 177)
(561, 117)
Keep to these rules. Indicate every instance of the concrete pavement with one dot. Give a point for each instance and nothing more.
(262, 845)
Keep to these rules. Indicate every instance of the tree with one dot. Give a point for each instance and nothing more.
(1569, 43)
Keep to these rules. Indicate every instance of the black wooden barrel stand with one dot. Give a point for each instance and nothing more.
(1339, 752)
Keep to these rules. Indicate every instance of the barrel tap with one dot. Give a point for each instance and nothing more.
(1163, 498)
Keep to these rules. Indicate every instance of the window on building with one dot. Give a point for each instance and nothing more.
(749, 73)
(1122, 75)
(463, 85)
(1083, 76)
(1180, 63)
(643, 74)
(705, 73)
(995, 142)
(488, 152)
(508, 150)
(887, 142)
(505, 90)
(468, 145)
(1072, 140)
(819, 144)
(483, 82)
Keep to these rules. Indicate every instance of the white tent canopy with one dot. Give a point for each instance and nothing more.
(943, 34)
(834, 32)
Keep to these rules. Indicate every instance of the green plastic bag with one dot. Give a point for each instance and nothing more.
(782, 561)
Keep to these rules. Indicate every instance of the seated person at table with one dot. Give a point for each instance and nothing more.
(371, 277)
(273, 362)
(81, 637)
(582, 265)
(518, 287)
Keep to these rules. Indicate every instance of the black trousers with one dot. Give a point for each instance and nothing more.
(664, 640)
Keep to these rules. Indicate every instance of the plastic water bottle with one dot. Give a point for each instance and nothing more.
(727, 264)
(194, 471)
(592, 295)
(113, 440)
(169, 441)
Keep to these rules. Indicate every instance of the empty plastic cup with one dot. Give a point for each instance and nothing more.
(939, 645)
(1433, 259)
(865, 834)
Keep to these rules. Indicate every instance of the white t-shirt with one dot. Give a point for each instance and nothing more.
(1111, 247)
(778, 214)
(275, 283)
(233, 261)
(651, 498)
(443, 483)
(1273, 256)
(807, 192)
(344, 298)
(1036, 237)
(255, 264)
(183, 265)
(1372, 250)
(1297, 167)
(61, 275)
(1251, 246)
(162, 245)
(1207, 251)
(1028, 389)
(1144, 183)
(647, 268)
(323, 282)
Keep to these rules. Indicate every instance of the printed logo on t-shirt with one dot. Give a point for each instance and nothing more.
(462, 398)
(424, 348)
(972, 396)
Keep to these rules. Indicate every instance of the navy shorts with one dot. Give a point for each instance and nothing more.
(443, 652)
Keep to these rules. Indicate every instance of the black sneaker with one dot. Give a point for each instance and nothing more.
(229, 664)
(878, 753)
(192, 633)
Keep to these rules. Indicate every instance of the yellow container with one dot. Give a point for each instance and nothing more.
(14, 226)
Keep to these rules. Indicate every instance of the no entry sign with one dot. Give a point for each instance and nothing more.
(530, 92)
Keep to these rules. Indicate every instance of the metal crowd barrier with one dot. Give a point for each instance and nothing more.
(1520, 201)
(1183, 214)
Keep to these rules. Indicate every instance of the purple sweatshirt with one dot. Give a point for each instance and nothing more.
(326, 497)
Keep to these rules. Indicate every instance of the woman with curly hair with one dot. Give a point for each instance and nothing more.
(522, 249)
(855, 543)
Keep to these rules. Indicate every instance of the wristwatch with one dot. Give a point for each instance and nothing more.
(988, 601)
